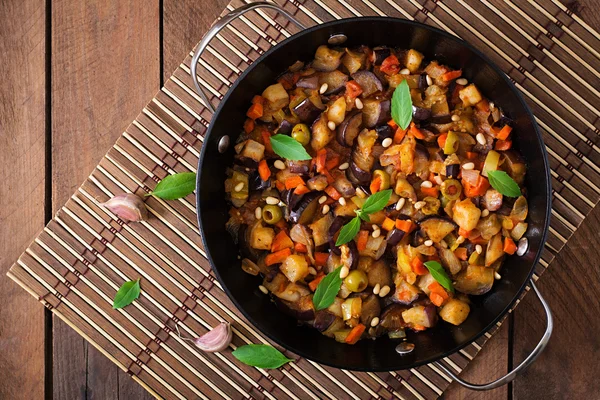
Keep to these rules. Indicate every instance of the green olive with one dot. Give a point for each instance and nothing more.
(451, 189)
(431, 207)
(385, 178)
(301, 133)
(356, 281)
(271, 214)
(451, 145)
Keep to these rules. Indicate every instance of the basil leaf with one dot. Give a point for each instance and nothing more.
(503, 183)
(261, 356)
(377, 201)
(175, 186)
(439, 274)
(348, 231)
(288, 147)
(402, 105)
(327, 289)
(126, 294)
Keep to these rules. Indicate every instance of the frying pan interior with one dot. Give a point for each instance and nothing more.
(377, 355)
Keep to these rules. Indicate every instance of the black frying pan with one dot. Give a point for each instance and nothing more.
(217, 155)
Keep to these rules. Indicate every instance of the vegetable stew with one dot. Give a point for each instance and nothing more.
(374, 191)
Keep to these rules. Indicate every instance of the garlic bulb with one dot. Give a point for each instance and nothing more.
(128, 207)
(217, 339)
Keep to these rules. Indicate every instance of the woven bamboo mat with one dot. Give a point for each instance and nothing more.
(75, 266)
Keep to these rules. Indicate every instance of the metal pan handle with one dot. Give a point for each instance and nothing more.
(521, 367)
(218, 26)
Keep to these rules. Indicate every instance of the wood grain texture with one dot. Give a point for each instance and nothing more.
(104, 69)
(22, 146)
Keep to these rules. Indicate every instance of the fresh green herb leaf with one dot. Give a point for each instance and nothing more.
(348, 231)
(377, 202)
(261, 356)
(402, 105)
(439, 274)
(327, 289)
(175, 186)
(126, 294)
(288, 147)
(503, 183)
(362, 215)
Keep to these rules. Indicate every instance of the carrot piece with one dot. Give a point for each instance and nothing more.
(248, 125)
(503, 133)
(266, 138)
(448, 76)
(280, 186)
(476, 190)
(461, 253)
(483, 105)
(399, 135)
(362, 238)
(418, 327)
(300, 248)
(321, 159)
(353, 89)
(315, 282)
(392, 124)
(281, 241)
(388, 224)
(301, 189)
(503, 145)
(263, 170)
(405, 225)
(471, 155)
(332, 162)
(432, 191)
(390, 65)
(282, 224)
(413, 130)
(293, 182)
(355, 334)
(418, 267)
(255, 111)
(333, 193)
(436, 298)
(321, 259)
(277, 257)
(441, 140)
(509, 246)
(375, 185)
(258, 99)
(478, 240)
(464, 233)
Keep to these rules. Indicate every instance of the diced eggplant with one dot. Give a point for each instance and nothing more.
(494, 250)
(320, 229)
(379, 54)
(276, 96)
(418, 237)
(261, 237)
(375, 247)
(334, 228)
(276, 282)
(441, 119)
(357, 175)
(391, 319)
(327, 59)
(323, 320)
(404, 189)
(370, 309)
(302, 310)
(343, 185)
(405, 293)
(253, 150)
(368, 82)
(413, 60)
(420, 316)
(308, 82)
(337, 111)
(307, 111)
(394, 237)
(489, 226)
(437, 228)
(422, 82)
(294, 267)
(285, 127)
(420, 113)
(449, 260)
(336, 326)
(298, 166)
(318, 182)
(256, 183)
(362, 153)
(475, 280)
(470, 95)
(349, 256)
(321, 134)
(349, 129)
(424, 282)
(421, 161)
(306, 208)
(455, 311)
(335, 80)
(466, 214)
(245, 162)
(375, 112)
(246, 250)
(384, 131)
(514, 165)
(292, 292)
(452, 171)
(353, 60)
(379, 273)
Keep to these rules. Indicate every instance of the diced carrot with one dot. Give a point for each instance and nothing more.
(375, 184)
(333, 193)
(330, 178)
(321, 159)
(509, 246)
(503, 145)
(258, 99)
(277, 257)
(441, 140)
(432, 191)
(461, 253)
(483, 105)
(293, 182)
(266, 138)
(478, 240)
(281, 241)
(418, 267)
(399, 135)
(471, 155)
(476, 190)
(255, 111)
(321, 259)
(388, 224)
(503, 133)
(353, 89)
(405, 225)
(301, 189)
(390, 65)
(418, 327)
(332, 162)
(300, 248)
(281, 224)
(464, 233)
(448, 76)
(436, 298)
(362, 238)
(315, 282)
(392, 124)
(263, 170)
(280, 186)
(355, 334)
(405, 296)
(288, 80)
(435, 287)
(413, 130)
(248, 125)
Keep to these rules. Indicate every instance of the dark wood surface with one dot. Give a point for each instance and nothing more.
(76, 74)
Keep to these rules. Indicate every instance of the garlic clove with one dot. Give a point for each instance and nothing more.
(217, 339)
(128, 207)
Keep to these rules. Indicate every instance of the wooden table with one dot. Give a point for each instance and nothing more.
(75, 75)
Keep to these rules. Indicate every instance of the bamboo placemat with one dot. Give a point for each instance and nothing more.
(75, 266)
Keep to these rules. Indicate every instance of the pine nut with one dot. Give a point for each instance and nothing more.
(481, 139)
(258, 213)
(405, 71)
(331, 125)
(272, 200)
(312, 271)
(376, 233)
(375, 321)
(438, 179)
(485, 213)
(239, 186)
(263, 289)
(479, 249)
(323, 88)
(279, 164)
(443, 244)
(462, 81)
(460, 240)
(384, 291)
(322, 199)
(497, 276)
(342, 201)
(419, 204)
(455, 118)
(400, 203)
(375, 227)
(325, 209)
(428, 243)
(468, 166)
(376, 289)
(344, 166)
(387, 142)
(358, 103)
(429, 80)
(426, 184)
(344, 272)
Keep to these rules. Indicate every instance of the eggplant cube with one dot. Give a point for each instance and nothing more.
(294, 267)
(419, 315)
(470, 95)
(413, 60)
(261, 238)
(455, 311)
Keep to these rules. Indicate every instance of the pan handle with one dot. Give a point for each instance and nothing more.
(530, 358)
(218, 26)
